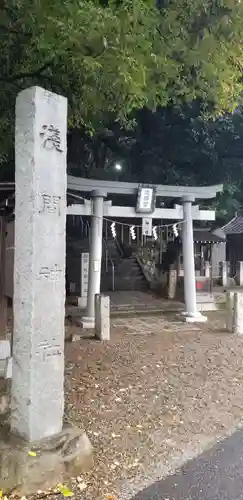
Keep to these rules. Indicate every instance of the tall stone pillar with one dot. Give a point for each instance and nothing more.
(48, 453)
(191, 314)
(95, 256)
(39, 264)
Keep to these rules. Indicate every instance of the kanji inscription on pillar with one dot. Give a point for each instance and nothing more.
(39, 267)
(51, 137)
(84, 274)
(50, 204)
(50, 273)
(49, 349)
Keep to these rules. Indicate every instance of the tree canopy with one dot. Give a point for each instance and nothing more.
(113, 57)
(174, 145)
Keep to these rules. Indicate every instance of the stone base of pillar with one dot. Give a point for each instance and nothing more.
(87, 323)
(26, 468)
(82, 302)
(193, 318)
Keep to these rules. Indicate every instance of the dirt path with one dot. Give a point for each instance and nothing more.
(158, 393)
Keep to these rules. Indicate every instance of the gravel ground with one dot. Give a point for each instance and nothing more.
(158, 393)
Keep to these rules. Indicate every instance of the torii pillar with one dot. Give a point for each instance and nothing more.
(191, 315)
(95, 259)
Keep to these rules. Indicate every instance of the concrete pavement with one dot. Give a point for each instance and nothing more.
(215, 475)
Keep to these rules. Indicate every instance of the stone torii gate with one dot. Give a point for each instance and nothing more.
(98, 208)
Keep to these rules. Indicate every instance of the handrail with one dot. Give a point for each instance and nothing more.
(108, 257)
(119, 247)
(88, 229)
(82, 224)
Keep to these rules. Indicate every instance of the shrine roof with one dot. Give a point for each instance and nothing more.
(207, 235)
(235, 225)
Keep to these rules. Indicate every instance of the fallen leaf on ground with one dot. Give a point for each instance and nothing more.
(32, 453)
(64, 490)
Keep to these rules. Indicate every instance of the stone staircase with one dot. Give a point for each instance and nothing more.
(127, 272)
(140, 303)
(128, 276)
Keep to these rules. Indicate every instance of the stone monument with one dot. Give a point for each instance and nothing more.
(39, 264)
(37, 394)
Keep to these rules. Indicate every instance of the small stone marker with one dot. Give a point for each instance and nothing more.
(237, 326)
(239, 273)
(102, 317)
(230, 310)
(5, 363)
(172, 283)
(224, 265)
(207, 268)
(39, 265)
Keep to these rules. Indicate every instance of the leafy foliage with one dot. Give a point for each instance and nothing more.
(171, 146)
(179, 146)
(113, 57)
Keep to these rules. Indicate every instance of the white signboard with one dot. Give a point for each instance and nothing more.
(146, 199)
(84, 274)
(147, 224)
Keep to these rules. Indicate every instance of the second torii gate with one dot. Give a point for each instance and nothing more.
(98, 208)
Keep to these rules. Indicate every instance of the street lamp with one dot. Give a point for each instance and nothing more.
(118, 167)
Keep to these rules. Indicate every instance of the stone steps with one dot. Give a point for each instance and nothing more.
(127, 311)
(128, 276)
(143, 310)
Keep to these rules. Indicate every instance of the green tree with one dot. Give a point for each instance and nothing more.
(113, 57)
(180, 146)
